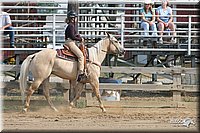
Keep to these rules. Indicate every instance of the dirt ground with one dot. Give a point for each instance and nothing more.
(42, 118)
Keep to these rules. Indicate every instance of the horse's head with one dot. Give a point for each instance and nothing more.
(114, 46)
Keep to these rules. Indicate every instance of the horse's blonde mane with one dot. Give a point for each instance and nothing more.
(95, 50)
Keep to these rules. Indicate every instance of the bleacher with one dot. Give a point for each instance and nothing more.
(38, 25)
(123, 20)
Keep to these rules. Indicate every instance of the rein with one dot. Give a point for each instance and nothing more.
(97, 47)
(110, 42)
(97, 64)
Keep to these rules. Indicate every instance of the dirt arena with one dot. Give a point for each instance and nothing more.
(133, 118)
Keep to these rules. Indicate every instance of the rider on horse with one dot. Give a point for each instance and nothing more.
(71, 38)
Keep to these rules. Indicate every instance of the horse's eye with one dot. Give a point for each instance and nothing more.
(115, 41)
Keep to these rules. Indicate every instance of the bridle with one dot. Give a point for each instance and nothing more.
(114, 43)
(110, 42)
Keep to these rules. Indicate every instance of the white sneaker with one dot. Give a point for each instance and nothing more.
(160, 40)
(173, 40)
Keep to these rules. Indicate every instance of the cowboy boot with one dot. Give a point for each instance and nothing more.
(81, 76)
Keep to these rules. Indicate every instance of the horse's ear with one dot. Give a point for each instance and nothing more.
(108, 35)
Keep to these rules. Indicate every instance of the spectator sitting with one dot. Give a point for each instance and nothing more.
(165, 20)
(148, 21)
(6, 24)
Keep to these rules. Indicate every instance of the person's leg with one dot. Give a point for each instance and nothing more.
(154, 34)
(11, 35)
(79, 54)
(154, 29)
(161, 29)
(172, 28)
(145, 27)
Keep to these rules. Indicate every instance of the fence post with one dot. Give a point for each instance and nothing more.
(122, 30)
(54, 31)
(88, 95)
(189, 35)
(176, 84)
(65, 91)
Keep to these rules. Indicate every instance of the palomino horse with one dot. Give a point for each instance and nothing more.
(45, 63)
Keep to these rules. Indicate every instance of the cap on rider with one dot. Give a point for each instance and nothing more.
(71, 14)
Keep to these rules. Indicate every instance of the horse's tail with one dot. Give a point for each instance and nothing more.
(23, 75)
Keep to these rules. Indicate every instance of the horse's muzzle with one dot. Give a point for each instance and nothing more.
(122, 51)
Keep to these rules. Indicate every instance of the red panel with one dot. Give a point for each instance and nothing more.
(184, 19)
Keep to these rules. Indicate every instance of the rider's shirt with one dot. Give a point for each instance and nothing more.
(71, 33)
(165, 14)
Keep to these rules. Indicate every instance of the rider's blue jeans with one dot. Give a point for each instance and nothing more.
(11, 35)
(147, 27)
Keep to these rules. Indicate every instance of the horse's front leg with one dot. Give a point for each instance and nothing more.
(95, 86)
(79, 89)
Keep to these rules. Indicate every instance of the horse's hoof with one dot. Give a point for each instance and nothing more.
(104, 110)
(24, 110)
(71, 105)
(55, 110)
(68, 109)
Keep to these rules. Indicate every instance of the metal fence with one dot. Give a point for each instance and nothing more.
(95, 19)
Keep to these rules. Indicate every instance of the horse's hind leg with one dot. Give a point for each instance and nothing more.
(30, 91)
(79, 89)
(46, 94)
(73, 89)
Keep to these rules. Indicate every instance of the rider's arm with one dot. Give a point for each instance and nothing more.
(72, 33)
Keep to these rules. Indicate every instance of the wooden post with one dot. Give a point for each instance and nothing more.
(88, 96)
(176, 96)
(17, 73)
(176, 86)
(182, 60)
(66, 90)
(154, 63)
(192, 60)
(73, 5)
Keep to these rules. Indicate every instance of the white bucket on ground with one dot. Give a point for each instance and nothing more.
(110, 95)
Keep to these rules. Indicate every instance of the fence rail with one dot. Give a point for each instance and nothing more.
(93, 22)
(89, 32)
(46, 29)
(176, 87)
